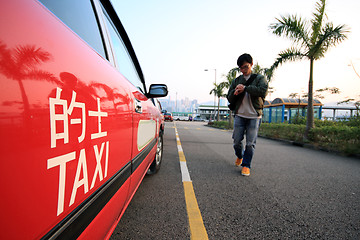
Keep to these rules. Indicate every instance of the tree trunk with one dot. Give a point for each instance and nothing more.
(24, 98)
(26, 115)
(231, 120)
(310, 107)
(218, 116)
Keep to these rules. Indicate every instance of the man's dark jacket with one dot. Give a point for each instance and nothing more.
(257, 90)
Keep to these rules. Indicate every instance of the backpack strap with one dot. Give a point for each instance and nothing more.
(250, 80)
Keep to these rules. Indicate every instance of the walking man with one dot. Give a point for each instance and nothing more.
(247, 94)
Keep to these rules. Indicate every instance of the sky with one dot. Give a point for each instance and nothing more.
(175, 41)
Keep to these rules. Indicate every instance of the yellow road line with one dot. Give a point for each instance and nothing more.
(197, 228)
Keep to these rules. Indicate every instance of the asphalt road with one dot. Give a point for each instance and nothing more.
(292, 193)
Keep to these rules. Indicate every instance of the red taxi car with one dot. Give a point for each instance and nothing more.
(79, 127)
(168, 116)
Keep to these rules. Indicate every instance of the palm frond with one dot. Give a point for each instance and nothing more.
(232, 74)
(223, 85)
(335, 35)
(330, 36)
(41, 75)
(230, 77)
(6, 61)
(317, 22)
(292, 27)
(269, 73)
(290, 54)
(30, 56)
(218, 89)
(257, 69)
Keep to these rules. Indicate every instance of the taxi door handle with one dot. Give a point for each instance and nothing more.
(138, 107)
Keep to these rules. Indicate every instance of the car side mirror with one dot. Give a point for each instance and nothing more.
(157, 90)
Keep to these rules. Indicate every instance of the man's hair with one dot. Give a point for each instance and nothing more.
(244, 58)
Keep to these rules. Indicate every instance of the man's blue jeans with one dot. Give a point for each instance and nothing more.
(250, 128)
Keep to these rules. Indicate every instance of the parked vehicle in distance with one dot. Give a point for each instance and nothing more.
(168, 116)
(162, 120)
(78, 125)
(198, 118)
(181, 116)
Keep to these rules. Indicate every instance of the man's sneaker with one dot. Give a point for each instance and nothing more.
(238, 162)
(245, 171)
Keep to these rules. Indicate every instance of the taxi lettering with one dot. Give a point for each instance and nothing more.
(99, 152)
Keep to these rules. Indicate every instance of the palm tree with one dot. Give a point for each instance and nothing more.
(257, 69)
(232, 74)
(230, 77)
(218, 90)
(310, 43)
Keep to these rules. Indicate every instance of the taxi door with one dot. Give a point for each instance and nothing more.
(145, 116)
(66, 124)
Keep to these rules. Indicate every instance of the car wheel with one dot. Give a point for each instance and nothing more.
(155, 165)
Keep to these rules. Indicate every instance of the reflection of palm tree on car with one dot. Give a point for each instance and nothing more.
(112, 94)
(20, 63)
(68, 83)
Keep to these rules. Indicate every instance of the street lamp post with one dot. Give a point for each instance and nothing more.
(214, 91)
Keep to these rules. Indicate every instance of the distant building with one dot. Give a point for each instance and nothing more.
(210, 112)
(337, 112)
(279, 110)
(286, 109)
(180, 105)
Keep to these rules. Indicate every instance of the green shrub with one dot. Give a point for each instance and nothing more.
(298, 120)
(293, 132)
(354, 121)
(332, 136)
(323, 123)
(221, 124)
(338, 138)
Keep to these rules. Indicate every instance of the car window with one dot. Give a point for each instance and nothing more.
(158, 104)
(123, 60)
(80, 17)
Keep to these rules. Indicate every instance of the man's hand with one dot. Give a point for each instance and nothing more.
(239, 89)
